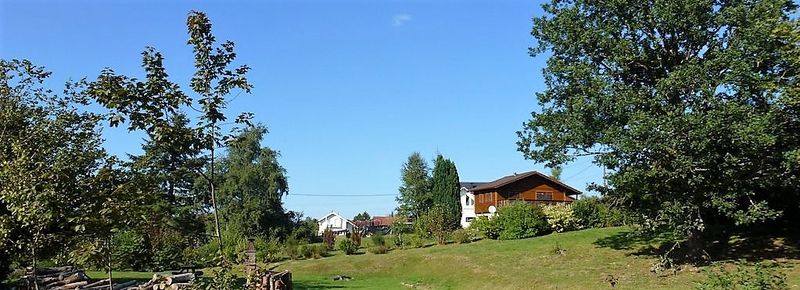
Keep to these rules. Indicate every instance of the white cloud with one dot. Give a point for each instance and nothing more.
(400, 19)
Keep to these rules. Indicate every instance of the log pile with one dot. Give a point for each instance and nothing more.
(69, 278)
(271, 280)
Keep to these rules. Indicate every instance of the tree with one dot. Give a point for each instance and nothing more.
(364, 216)
(692, 106)
(155, 105)
(445, 192)
(415, 195)
(555, 172)
(253, 184)
(49, 154)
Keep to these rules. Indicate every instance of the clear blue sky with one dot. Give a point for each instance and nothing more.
(348, 89)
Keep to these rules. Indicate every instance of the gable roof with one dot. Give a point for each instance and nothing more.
(470, 185)
(505, 180)
(333, 213)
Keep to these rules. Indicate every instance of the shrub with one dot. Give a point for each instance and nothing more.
(377, 240)
(328, 239)
(306, 251)
(378, 249)
(436, 223)
(765, 275)
(347, 246)
(319, 251)
(463, 236)
(560, 218)
(521, 220)
(291, 248)
(130, 251)
(267, 250)
(611, 217)
(416, 241)
(168, 251)
(355, 236)
(587, 211)
(485, 226)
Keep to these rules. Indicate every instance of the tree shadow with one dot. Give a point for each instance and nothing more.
(715, 248)
(317, 285)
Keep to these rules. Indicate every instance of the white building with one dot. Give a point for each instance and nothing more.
(467, 202)
(337, 223)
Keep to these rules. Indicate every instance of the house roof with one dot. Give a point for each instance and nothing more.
(505, 180)
(336, 214)
(469, 185)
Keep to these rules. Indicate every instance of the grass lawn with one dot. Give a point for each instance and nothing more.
(590, 258)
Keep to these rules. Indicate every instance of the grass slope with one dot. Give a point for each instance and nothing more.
(518, 264)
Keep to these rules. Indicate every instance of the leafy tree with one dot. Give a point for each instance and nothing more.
(364, 216)
(692, 106)
(253, 184)
(446, 190)
(49, 154)
(415, 195)
(436, 222)
(155, 104)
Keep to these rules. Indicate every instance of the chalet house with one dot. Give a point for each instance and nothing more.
(336, 223)
(482, 199)
(378, 224)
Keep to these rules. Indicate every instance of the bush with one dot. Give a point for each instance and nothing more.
(291, 248)
(612, 217)
(168, 251)
(520, 220)
(488, 228)
(587, 211)
(319, 251)
(560, 218)
(378, 249)
(416, 241)
(436, 223)
(306, 251)
(761, 276)
(355, 236)
(267, 250)
(463, 236)
(328, 239)
(347, 246)
(130, 251)
(377, 240)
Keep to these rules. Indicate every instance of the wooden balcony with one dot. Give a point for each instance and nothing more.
(536, 202)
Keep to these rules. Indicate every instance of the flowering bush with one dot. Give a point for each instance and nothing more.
(560, 218)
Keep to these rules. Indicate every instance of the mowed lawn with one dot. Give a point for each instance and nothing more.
(518, 264)
(590, 258)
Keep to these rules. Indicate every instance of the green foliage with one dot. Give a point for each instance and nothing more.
(222, 278)
(291, 248)
(520, 220)
(377, 240)
(415, 194)
(555, 172)
(445, 191)
(588, 212)
(487, 227)
(319, 251)
(560, 218)
(436, 223)
(268, 250)
(378, 250)
(306, 251)
(355, 236)
(130, 251)
(416, 240)
(463, 236)
(347, 246)
(167, 251)
(305, 229)
(760, 276)
(693, 107)
(328, 239)
(364, 216)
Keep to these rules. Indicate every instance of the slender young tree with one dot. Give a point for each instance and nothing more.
(445, 191)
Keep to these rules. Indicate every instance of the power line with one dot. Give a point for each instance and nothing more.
(579, 172)
(341, 195)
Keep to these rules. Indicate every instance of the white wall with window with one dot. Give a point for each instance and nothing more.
(467, 207)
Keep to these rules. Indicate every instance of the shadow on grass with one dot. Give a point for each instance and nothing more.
(718, 247)
(316, 285)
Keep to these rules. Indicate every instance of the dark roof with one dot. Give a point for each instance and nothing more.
(470, 185)
(503, 181)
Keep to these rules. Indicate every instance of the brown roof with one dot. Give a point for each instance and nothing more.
(503, 181)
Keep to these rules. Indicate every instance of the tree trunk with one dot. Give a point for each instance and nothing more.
(214, 197)
(108, 255)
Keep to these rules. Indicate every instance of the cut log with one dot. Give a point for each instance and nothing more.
(180, 278)
(97, 283)
(73, 285)
(123, 285)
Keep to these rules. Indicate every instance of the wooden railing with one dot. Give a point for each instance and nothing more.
(536, 202)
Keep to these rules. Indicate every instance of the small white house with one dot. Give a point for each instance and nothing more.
(467, 202)
(337, 223)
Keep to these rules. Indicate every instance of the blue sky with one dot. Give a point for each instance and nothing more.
(348, 89)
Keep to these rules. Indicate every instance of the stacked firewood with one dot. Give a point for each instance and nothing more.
(271, 280)
(68, 278)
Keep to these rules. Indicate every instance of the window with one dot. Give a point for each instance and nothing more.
(470, 219)
(544, 196)
(469, 201)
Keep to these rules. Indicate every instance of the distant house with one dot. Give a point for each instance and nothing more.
(531, 187)
(336, 223)
(378, 224)
(467, 199)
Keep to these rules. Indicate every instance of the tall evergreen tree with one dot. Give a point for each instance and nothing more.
(445, 190)
(415, 195)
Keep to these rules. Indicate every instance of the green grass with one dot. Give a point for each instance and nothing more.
(590, 257)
